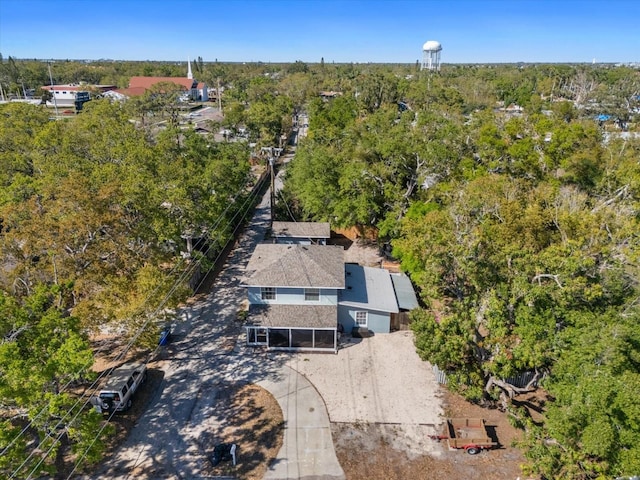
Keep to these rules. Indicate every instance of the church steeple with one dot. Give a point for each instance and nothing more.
(189, 74)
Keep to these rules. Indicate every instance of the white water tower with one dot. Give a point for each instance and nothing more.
(431, 55)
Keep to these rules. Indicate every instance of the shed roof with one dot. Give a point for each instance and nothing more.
(302, 266)
(369, 288)
(301, 229)
(405, 293)
(294, 316)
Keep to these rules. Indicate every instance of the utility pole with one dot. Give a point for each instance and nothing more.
(272, 188)
(218, 95)
(55, 102)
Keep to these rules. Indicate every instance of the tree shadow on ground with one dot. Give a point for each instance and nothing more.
(250, 417)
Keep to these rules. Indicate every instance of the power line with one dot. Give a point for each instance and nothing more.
(284, 200)
(244, 212)
(189, 270)
(175, 285)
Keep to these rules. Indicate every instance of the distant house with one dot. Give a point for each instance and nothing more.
(329, 95)
(301, 233)
(65, 95)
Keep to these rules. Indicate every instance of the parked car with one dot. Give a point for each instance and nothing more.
(117, 393)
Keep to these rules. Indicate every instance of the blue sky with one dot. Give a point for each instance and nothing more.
(470, 31)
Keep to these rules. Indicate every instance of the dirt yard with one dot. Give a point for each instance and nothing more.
(366, 451)
(252, 419)
(371, 450)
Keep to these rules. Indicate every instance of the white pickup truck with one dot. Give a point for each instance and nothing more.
(120, 387)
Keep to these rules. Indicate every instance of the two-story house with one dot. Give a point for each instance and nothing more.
(293, 296)
(302, 294)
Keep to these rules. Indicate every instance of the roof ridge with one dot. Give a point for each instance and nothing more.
(322, 265)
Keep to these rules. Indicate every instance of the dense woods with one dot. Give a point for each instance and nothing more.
(513, 209)
(518, 226)
(101, 223)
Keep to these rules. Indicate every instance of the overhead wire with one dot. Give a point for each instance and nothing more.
(255, 193)
(185, 274)
(86, 365)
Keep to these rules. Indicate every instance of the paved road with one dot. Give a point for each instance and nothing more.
(170, 440)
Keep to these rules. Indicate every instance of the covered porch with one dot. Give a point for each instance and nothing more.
(293, 327)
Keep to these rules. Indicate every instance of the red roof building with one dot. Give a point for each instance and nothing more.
(196, 91)
(148, 82)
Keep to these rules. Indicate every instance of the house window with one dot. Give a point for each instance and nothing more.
(361, 319)
(257, 336)
(268, 293)
(312, 294)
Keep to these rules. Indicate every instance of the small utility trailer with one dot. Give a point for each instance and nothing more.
(469, 434)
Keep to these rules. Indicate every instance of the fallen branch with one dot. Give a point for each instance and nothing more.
(13, 335)
(512, 390)
(621, 191)
(547, 275)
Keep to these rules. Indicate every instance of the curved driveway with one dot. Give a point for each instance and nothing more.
(170, 439)
(307, 451)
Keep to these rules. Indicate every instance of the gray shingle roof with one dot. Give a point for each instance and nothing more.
(302, 266)
(296, 316)
(301, 229)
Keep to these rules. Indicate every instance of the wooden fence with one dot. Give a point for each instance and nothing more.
(400, 321)
(197, 277)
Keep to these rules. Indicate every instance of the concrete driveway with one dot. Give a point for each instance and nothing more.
(307, 451)
(379, 380)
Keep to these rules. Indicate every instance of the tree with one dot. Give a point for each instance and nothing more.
(591, 422)
(42, 351)
(518, 233)
(160, 101)
(271, 118)
(298, 67)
